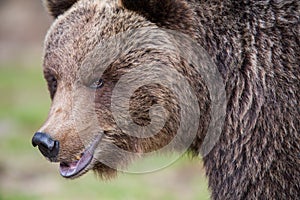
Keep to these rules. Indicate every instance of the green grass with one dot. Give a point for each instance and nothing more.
(24, 96)
(25, 174)
(17, 196)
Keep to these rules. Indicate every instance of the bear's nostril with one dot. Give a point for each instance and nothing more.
(48, 147)
(42, 139)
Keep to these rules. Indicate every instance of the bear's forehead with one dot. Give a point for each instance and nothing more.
(76, 33)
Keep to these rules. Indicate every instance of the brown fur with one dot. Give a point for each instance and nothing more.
(58, 7)
(255, 45)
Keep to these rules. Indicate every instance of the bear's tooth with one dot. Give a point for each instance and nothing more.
(78, 157)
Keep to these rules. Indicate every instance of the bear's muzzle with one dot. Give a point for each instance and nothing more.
(47, 146)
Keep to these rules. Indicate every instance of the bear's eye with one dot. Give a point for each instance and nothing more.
(50, 76)
(97, 84)
(52, 85)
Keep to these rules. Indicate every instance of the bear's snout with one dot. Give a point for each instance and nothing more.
(47, 146)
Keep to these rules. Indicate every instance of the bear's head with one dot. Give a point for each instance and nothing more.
(120, 87)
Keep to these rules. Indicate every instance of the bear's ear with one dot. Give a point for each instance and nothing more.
(177, 14)
(58, 7)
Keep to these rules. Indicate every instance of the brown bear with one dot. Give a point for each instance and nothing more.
(255, 47)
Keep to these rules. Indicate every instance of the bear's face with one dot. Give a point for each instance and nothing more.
(85, 57)
(81, 103)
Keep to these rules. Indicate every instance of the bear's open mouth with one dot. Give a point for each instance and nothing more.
(71, 169)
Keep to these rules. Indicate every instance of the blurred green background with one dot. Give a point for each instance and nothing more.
(24, 103)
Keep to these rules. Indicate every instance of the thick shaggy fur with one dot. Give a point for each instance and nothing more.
(254, 44)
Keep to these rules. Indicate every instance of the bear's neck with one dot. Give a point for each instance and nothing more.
(254, 45)
(242, 39)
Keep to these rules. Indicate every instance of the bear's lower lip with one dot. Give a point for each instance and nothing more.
(71, 169)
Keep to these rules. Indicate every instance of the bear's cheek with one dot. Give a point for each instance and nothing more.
(102, 107)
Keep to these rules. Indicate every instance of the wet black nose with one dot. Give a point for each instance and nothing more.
(48, 147)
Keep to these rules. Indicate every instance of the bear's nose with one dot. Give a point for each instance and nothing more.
(47, 146)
